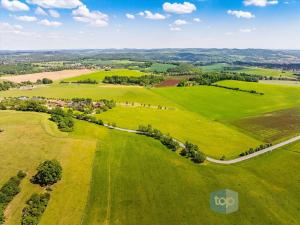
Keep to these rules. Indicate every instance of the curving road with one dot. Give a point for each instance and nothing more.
(224, 162)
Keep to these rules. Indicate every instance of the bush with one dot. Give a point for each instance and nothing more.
(21, 174)
(48, 173)
(8, 191)
(1, 214)
(63, 120)
(35, 208)
(44, 81)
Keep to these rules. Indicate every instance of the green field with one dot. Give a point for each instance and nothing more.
(185, 126)
(264, 72)
(100, 75)
(160, 67)
(214, 67)
(207, 116)
(135, 180)
(29, 139)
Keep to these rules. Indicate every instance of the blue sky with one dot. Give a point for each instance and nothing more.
(74, 24)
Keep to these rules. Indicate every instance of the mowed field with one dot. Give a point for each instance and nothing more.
(57, 75)
(135, 180)
(265, 72)
(29, 139)
(100, 75)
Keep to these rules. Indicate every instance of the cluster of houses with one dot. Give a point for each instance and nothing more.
(78, 104)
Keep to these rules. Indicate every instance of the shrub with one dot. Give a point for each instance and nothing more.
(21, 174)
(8, 191)
(1, 214)
(63, 120)
(48, 173)
(35, 208)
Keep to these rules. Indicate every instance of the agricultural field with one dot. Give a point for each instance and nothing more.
(264, 72)
(135, 175)
(160, 67)
(100, 75)
(125, 174)
(214, 67)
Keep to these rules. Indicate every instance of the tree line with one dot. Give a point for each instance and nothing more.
(189, 150)
(48, 173)
(253, 150)
(8, 191)
(141, 81)
(238, 89)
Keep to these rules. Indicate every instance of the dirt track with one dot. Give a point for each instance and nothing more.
(58, 75)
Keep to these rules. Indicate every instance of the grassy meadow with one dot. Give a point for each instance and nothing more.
(29, 139)
(264, 72)
(137, 181)
(132, 179)
(100, 75)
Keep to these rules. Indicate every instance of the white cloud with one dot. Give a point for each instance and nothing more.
(9, 29)
(26, 18)
(39, 11)
(260, 3)
(197, 20)
(152, 16)
(50, 23)
(247, 30)
(130, 16)
(180, 22)
(94, 18)
(178, 8)
(175, 28)
(63, 4)
(54, 13)
(14, 5)
(241, 14)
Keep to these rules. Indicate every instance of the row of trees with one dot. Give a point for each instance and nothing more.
(189, 150)
(34, 209)
(192, 151)
(238, 89)
(210, 78)
(142, 81)
(8, 191)
(166, 140)
(6, 85)
(89, 118)
(252, 150)
(64, 120)
(48, 173)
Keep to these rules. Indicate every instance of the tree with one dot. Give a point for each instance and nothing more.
(199, 157)
(48, 173)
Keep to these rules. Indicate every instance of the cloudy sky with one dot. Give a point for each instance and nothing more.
(75, 24)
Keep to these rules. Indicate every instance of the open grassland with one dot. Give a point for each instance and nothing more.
(29, 139)
(225, 105)
(137, 181)
(160, 67)
(214, 67)
(57, 75)
(213, 138)
(100, 75)
(264, 72)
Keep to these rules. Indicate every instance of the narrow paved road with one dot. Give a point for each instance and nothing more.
(224, 162)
